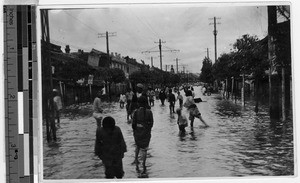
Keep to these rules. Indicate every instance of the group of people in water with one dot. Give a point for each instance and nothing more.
(110, 145)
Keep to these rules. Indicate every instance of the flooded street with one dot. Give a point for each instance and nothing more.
(238, 142)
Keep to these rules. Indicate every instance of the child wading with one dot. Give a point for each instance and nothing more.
(57, 104)
(193, 109)
(181, 121)
(142, 123)
(122, 100)
(129, 94)
(97, 114)
(151, 94)
(110, 147)
(180, 98)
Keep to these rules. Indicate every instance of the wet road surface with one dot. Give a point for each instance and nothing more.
(238, 142)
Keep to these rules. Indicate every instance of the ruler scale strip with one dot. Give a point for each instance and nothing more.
(5, 87)
(11, 114)
(20, 64)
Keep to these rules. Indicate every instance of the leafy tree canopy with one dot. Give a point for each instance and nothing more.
(206, 71)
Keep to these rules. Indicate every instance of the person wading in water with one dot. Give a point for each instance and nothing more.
(193, 109)
(142, 124)
(110, 148)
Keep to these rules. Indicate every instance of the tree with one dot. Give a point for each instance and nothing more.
(245, 55)
(221, 68)
(139, 77)
(174, 79)
(206, 71)
(152, 77)
(108, 75)
(71, 69)
(116, 75)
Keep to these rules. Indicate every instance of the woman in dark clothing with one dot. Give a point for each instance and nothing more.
(162, 96)
(142, 124)
(110, 147)
(133, 106)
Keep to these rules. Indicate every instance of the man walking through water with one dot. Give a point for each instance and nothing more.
(172, 99)
(162, 96)
(142, 124)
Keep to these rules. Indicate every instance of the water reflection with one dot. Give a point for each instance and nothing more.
(265, 143)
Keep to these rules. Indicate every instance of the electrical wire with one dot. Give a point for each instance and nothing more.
(153, 32)
(81, 22)
(124, 46)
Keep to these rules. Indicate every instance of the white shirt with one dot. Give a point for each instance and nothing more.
(57, 102)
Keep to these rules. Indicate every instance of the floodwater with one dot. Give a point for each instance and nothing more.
(238, 142)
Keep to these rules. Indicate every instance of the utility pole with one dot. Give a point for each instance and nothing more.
(160, 58)
(177, 65)
(187, 76)
(207, 53)
(215, 32)
(107, 34)
(151, 61)
(160, 51)
(183, 66)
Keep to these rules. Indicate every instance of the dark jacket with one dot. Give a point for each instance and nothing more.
(172, 98)
(142, 123)
(162, 95)
(110, 145)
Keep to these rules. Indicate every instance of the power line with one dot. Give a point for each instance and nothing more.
(149, 50)
(81, 22)
(154, 33)
(91, 28)
(151, 28)
(150, 37)
(171, 49)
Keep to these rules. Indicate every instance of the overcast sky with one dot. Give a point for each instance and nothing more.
(184, 27)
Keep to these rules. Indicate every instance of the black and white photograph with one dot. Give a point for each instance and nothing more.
(167, 91)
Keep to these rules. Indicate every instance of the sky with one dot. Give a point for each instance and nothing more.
(138, 28)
